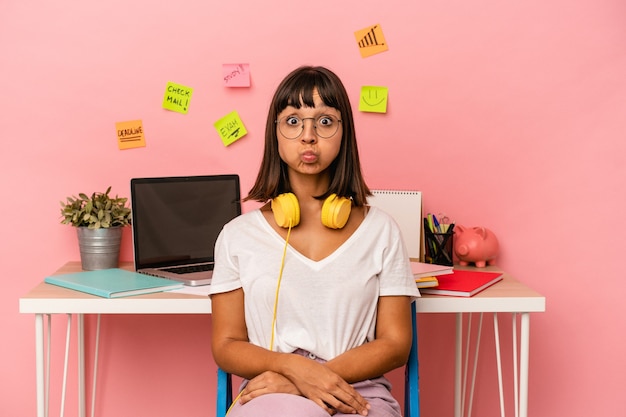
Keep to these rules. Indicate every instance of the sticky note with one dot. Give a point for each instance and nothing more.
(230, 128)
(236, 75)
(130, 134)
(371, 40)
(373, 99)
(177, 97)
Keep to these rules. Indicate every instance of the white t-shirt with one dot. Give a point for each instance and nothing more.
(325, 307)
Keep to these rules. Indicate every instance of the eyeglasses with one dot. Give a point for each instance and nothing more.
(291, 127)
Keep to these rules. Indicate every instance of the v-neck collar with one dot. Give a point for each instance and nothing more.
(328, 259)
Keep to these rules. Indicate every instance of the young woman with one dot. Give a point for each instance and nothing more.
(311, 293)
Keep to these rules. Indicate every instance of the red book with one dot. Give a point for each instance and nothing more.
(462, 283)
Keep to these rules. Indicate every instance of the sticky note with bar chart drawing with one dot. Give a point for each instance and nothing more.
(371, 41)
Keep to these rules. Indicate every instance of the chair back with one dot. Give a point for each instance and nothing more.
(411, 379)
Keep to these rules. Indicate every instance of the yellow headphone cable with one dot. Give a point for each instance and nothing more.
(280, 278)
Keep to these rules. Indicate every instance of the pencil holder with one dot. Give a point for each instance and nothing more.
(438, 247)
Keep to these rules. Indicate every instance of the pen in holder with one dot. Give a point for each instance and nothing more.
(438, 245)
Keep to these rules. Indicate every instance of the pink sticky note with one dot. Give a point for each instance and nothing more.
(236, 75)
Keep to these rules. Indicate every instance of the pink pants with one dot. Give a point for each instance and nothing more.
(376, 391)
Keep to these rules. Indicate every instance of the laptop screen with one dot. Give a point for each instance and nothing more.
(176, 220)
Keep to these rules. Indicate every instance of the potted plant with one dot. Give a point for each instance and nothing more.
(99, 220)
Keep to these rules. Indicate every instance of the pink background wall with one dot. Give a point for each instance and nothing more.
(509, 115)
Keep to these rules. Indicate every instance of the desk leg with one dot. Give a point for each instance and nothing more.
(39, 364)
(515, 365)
(81, 365)
(523, 364)
(458, 362)
(496, 333)
(524, 354)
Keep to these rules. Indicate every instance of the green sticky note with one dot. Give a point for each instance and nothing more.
(177, 97)
(373, 99)
(230, 128)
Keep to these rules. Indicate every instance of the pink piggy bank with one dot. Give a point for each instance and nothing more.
(475, 244)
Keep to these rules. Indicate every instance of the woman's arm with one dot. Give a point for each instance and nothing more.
(234, 354)
(388, 351)
(229, 339)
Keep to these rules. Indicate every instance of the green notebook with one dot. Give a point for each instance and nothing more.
(113, 283)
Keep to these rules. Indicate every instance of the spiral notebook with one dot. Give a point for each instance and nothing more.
(406, 208)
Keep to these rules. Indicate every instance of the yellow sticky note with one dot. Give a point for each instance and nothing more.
(373, 99)
(130, 134)
(230, 128)
(177, 97)
(371, 40)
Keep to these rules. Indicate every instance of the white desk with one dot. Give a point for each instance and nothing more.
(507, 296)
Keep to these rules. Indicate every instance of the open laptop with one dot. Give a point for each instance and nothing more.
(176, 221)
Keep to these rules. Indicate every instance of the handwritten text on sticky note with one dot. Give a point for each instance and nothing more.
(236, 75)
(230, 128)
(130, 134)
(177, 97)
(373, 99)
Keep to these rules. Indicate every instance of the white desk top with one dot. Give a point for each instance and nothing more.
(47, 298)
(508, 295)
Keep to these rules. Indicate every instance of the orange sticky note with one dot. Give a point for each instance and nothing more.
(371, 40)
(130, 134)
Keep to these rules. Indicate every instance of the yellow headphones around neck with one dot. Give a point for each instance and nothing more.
(335, 211)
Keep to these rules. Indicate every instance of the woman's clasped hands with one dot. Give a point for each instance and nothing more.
(312, 380)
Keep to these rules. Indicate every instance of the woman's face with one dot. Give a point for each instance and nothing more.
(305, 148)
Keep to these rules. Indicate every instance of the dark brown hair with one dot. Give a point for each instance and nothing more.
(296, 89)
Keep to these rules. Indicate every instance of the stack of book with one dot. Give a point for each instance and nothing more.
(463, 283)
(426, 274)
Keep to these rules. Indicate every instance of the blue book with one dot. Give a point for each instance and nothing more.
(113, 283)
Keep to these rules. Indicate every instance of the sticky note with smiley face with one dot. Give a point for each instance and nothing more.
(373, 99)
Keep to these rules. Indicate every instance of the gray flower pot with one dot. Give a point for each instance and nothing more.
(99, 248)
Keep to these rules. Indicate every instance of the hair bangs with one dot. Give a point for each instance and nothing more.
(298, 92)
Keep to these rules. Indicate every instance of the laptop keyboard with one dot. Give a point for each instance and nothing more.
(189, 268)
